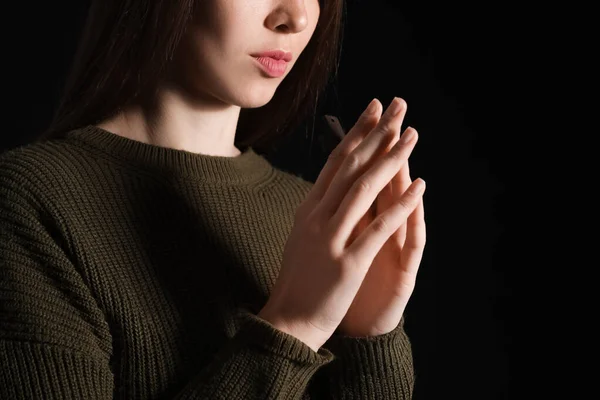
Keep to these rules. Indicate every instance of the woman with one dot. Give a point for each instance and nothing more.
(147, 251)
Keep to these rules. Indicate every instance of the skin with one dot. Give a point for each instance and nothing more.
(361, 231)
(214, 76)
(389, 283)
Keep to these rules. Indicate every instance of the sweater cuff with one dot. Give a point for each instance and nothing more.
(259, 333)
(258, 362)
(372, 367)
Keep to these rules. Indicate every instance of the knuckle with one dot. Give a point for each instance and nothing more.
(366, 118)
(388, 132)
(353, 160)
(380, 225)
(362, 185)
(413, 194)
(390, 128)
(397, 154)
(335, 154)
(342, 150)
(405, 203)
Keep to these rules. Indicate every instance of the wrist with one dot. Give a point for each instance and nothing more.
(279, 324)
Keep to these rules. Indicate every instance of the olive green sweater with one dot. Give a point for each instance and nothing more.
(133, 271)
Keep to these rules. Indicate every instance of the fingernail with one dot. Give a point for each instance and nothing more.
(419, 186)
(372, 107)
(407, 136)
(395, 106)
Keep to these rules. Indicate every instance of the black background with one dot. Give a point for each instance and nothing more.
(451, 63)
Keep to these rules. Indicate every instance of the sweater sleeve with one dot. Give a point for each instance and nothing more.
(374, 367)
(264, 363)
(55, 341)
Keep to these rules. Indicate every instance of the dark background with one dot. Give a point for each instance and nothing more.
(452, 64)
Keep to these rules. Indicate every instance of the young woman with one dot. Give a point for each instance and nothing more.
(147, 251)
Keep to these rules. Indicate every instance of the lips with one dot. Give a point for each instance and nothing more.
(275, 54)
(274, 68)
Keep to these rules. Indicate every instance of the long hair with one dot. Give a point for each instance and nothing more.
(126, 47)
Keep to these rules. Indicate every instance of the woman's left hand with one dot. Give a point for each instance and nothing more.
(381, 300)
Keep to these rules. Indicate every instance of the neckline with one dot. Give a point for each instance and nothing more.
(245, 168)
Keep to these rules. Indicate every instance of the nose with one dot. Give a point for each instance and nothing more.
(289, 16)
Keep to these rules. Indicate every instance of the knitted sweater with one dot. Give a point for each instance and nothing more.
(133, 271)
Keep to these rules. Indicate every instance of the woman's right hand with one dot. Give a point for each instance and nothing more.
(323, 265)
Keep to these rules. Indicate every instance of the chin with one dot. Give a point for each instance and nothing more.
(257, 100)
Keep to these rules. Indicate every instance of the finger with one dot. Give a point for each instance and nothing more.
(365, 124)
(362, 224)
(365, 154)
(366, 189)
(364, 249)
(385, 199)
(400, 183)
(414, 245)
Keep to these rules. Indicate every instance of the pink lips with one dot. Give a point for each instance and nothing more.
(274, 68)
(273, 62)
(276, 54)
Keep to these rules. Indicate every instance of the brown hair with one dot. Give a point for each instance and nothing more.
(127, 45)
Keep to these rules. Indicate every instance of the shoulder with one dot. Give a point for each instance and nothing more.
(40, 168)
(37, 153)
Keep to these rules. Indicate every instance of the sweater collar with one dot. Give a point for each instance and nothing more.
(246, 168)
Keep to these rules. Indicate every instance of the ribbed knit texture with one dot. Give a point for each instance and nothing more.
(133, 271)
